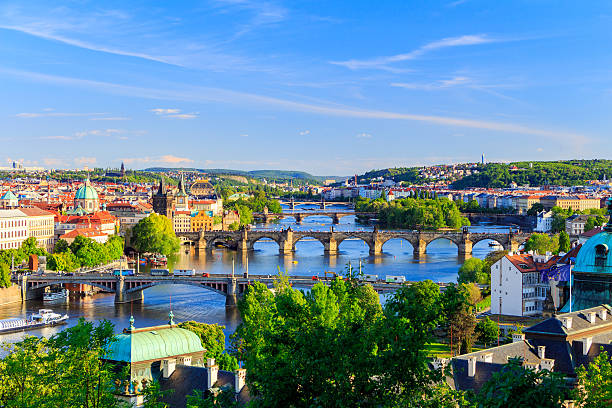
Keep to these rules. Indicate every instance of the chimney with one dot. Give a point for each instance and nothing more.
(586, 345)
(185, 360)
(602, 313)
(239, 379)
(541, 351)
(516, 337)
(212, 371)
(471, 366)
(567, 322)
(591, 317)
(168, 366)
(486, 357)
(547, 364)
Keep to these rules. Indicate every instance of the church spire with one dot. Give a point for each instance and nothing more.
(182, 185)
(162, 186)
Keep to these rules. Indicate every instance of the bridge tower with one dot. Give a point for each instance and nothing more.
(291, 204)
(231, 298)
(322, 205)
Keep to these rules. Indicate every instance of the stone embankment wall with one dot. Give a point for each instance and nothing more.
(10, 295)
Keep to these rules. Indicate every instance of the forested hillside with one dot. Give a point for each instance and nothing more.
(568, 173)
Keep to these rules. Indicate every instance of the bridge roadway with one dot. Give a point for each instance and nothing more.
(130, 288)
(300, 215)
(286, 239)
(322, 204)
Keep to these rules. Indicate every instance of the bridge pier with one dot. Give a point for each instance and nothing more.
(419, 248)
(375, 247)
(200, 245)
(231, 297)
(286, 246)
(123, 296)
(298, 218)
(330, 246)
(465, 247)
(335, 219)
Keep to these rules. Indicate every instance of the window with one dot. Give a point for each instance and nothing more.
(601, 255)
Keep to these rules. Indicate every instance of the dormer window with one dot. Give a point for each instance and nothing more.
(601, 255)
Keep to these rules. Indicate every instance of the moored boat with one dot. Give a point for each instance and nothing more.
(51, 296)
(44, 317)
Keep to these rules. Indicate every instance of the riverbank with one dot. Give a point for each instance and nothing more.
(10, 295)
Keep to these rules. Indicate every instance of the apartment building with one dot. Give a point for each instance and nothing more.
(17, 225)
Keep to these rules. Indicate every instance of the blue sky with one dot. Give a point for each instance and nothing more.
(332, 88)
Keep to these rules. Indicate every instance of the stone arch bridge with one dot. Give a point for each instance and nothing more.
(300, 215)
(286, 239)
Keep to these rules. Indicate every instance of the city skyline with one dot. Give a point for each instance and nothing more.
(307, 86)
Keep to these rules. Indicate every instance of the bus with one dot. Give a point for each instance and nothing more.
(123, 272)
(160, 272)
(395, 279)
(370, 278)
(184, 272)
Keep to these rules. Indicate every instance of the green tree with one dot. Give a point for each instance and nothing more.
(535, 209)
(594, 385)
(564, 242)
(66, 370)
(487, 331)
(589, 224)
(474, 270)
(153, 396)
(542, 243)
(213, 340)
(155, 234)
(517, 386)
(61, 246)
(5, 275)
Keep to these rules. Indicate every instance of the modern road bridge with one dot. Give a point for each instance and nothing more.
(130, 288)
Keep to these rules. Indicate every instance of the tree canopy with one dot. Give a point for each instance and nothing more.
(155, 234)
(415, 213)
(213, 341)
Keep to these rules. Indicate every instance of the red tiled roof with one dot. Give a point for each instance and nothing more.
(86, 232)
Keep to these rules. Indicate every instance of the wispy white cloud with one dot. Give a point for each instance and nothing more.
(47, 32)
(165, 159)
(304, 132)
(261, 13)
(174, 113)
(54, 162)
(384, 63)
(217, 95)
(112, 118)
(85, 161)
(363, 135)
(441, 84)
(49, 113)
(116, 133)
(244, 135)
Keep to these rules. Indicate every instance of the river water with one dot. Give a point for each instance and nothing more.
(190, 303)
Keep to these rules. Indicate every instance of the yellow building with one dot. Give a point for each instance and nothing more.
(202, 222)
(41, 225)
(524, 203)
(578, 203)
(181, 221)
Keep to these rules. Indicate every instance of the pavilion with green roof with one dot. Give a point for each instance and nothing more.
(145, 350)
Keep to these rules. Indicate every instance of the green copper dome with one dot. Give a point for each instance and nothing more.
(86, 192)
(154, 344)
(595, 255)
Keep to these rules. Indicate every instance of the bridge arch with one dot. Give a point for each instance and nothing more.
(265, 238)
(219, 290)
(98, 285)
(304, 238)
(404, 240)
(351, 237)
(443, 238)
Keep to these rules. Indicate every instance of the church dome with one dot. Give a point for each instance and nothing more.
(595, 256)
(86, 192)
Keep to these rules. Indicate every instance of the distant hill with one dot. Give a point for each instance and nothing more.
(256, 174)
(564, 173)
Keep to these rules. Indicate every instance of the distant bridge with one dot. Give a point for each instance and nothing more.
(291, 203)
(300, 215)
(286, 239)
(130, 288)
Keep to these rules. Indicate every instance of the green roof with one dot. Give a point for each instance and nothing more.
(585, 261)
(9, 196)
(86, 192)
(153, 343)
